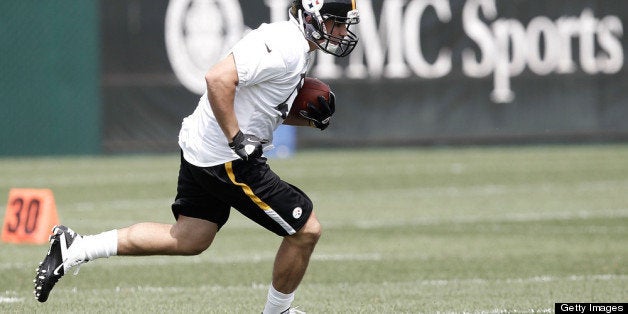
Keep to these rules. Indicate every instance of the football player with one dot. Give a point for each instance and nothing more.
(222, 162)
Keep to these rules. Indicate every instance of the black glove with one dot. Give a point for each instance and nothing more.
(247, 146)
(320, 115)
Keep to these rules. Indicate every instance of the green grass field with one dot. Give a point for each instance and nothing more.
(477, 230)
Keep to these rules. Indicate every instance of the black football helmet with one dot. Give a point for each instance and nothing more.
(343, 13)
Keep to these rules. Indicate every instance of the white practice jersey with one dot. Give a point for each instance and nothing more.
(271, 62)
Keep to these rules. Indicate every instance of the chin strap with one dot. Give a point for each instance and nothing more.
(299, 21)
(320, 21)
(311, 35)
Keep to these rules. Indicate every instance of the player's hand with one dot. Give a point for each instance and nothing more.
(320, 116)
(247, 146)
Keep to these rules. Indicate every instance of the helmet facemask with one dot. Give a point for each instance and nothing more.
(316, 30)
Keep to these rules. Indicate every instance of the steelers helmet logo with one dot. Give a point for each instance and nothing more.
(312, 5)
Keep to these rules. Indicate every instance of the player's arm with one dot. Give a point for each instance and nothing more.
(221, 81)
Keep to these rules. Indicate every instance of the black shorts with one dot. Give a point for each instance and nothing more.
(250, 187)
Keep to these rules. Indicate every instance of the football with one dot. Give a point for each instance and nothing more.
(309, 92)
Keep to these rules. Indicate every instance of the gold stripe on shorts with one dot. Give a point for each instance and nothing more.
(247, 189)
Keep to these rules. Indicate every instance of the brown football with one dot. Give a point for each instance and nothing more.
(309, 92)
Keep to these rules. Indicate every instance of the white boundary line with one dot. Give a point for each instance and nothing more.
(204, 259)
(509, 217)
(385, 285)
(429, 283)
(11, 299)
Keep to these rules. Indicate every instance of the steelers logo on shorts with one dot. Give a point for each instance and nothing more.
(297, 212)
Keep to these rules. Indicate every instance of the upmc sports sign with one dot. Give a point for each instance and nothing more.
(424, 72)
(393, 42)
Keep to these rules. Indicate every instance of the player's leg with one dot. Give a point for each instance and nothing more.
(293, 256)
(199, 217)
(282, 208)
(188, 236)
(290, 265)
(199, 214)
(291, 262)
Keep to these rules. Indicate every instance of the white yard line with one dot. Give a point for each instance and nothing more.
(112, 178)
(535, 279)
(511, 311)
(384, 285)
(530, 216)
(494, 189)
(205, 259)
(10, 299)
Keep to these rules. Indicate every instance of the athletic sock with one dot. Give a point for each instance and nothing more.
(101, 245)
(277, 302)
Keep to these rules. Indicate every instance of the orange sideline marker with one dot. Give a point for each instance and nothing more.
(30, 216)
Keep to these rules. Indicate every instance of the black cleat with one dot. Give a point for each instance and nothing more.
(56, 262)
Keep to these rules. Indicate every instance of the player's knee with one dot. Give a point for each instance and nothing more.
(193, 244)
(311, 232)
(193, 247)
(193, 236)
